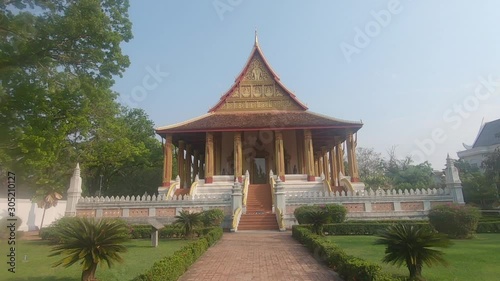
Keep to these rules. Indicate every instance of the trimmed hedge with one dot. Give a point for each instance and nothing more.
(350, 268)
(169, 231)
(140, 231)
(172, 267)
(373, 227)
(367, 228)
(488, 227)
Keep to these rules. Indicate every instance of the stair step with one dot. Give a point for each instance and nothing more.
(258, 214)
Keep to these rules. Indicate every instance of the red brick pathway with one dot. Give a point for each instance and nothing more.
(258, 255)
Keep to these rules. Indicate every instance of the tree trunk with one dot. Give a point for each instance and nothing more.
(415, 271)
(43, 217)
(89, 274)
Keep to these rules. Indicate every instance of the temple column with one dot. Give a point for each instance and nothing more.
(280, 154)
(180, 162)
(238, 157)
(309, 155)
(321, 165)
(316, 170)
(351, 157)
(196, 167)
(209, 158)
(333, 167)
(326, 169)
(167, 161)
(201, 168)
(217, 154)
(340, 159)
(189, 162)
(300, 153)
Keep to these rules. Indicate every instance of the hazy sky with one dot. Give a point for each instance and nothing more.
(421, 75)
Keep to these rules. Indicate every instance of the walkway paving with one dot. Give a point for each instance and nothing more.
(258, 255)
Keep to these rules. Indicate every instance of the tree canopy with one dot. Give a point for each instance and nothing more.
(378, 172)
(58, 60)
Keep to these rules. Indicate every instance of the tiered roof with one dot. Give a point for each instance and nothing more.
(258, 100)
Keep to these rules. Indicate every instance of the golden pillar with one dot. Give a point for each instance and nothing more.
(209, 158)
(300, 152)
(180, 162)
(217, 153)
(238, 157)
(196, 160)
(321, 171)
(280, 154)
(351, 157)
(201, 167)
(326, 169)
(167, 161)
(340, 158)
(309, 155)
(316, 168)
(189, 164)
(333, 167)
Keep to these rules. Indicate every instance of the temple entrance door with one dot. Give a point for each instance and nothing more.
(258, 174)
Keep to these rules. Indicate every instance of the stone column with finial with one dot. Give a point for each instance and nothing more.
(74, 192)
(453, 182)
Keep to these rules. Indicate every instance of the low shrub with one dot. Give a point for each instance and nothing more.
(172, 267)
(336, 213)
(212, 217)
(301, 213)
(50, 234)
(457, 221)
(347, 266)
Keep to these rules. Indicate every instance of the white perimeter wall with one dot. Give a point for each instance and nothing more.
(31, 215)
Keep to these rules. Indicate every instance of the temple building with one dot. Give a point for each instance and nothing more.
(487, 141)
(261, 127)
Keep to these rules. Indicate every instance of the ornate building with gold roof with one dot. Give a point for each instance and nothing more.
(261, 127)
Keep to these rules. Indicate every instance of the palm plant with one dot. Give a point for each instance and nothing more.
(318, 218)
(413, 246)
(90, 242)
(46, 198)
(188, 222)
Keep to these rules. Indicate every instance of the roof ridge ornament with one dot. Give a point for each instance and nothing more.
(256, 38)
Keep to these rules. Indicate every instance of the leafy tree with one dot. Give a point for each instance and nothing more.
(413, 177)
(478, 187)
(57, 63)
(188, 222)
(491, 165)
(371, 168)
(127, 155)
(90, 242)
(413, 246)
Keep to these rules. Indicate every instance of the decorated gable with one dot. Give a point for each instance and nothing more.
(258, 88)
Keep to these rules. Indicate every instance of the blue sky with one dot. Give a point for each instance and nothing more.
(413, 71)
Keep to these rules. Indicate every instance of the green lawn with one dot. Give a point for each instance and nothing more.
(474, 259)
(37, 266)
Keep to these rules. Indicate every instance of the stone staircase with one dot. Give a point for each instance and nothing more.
(259, 214)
